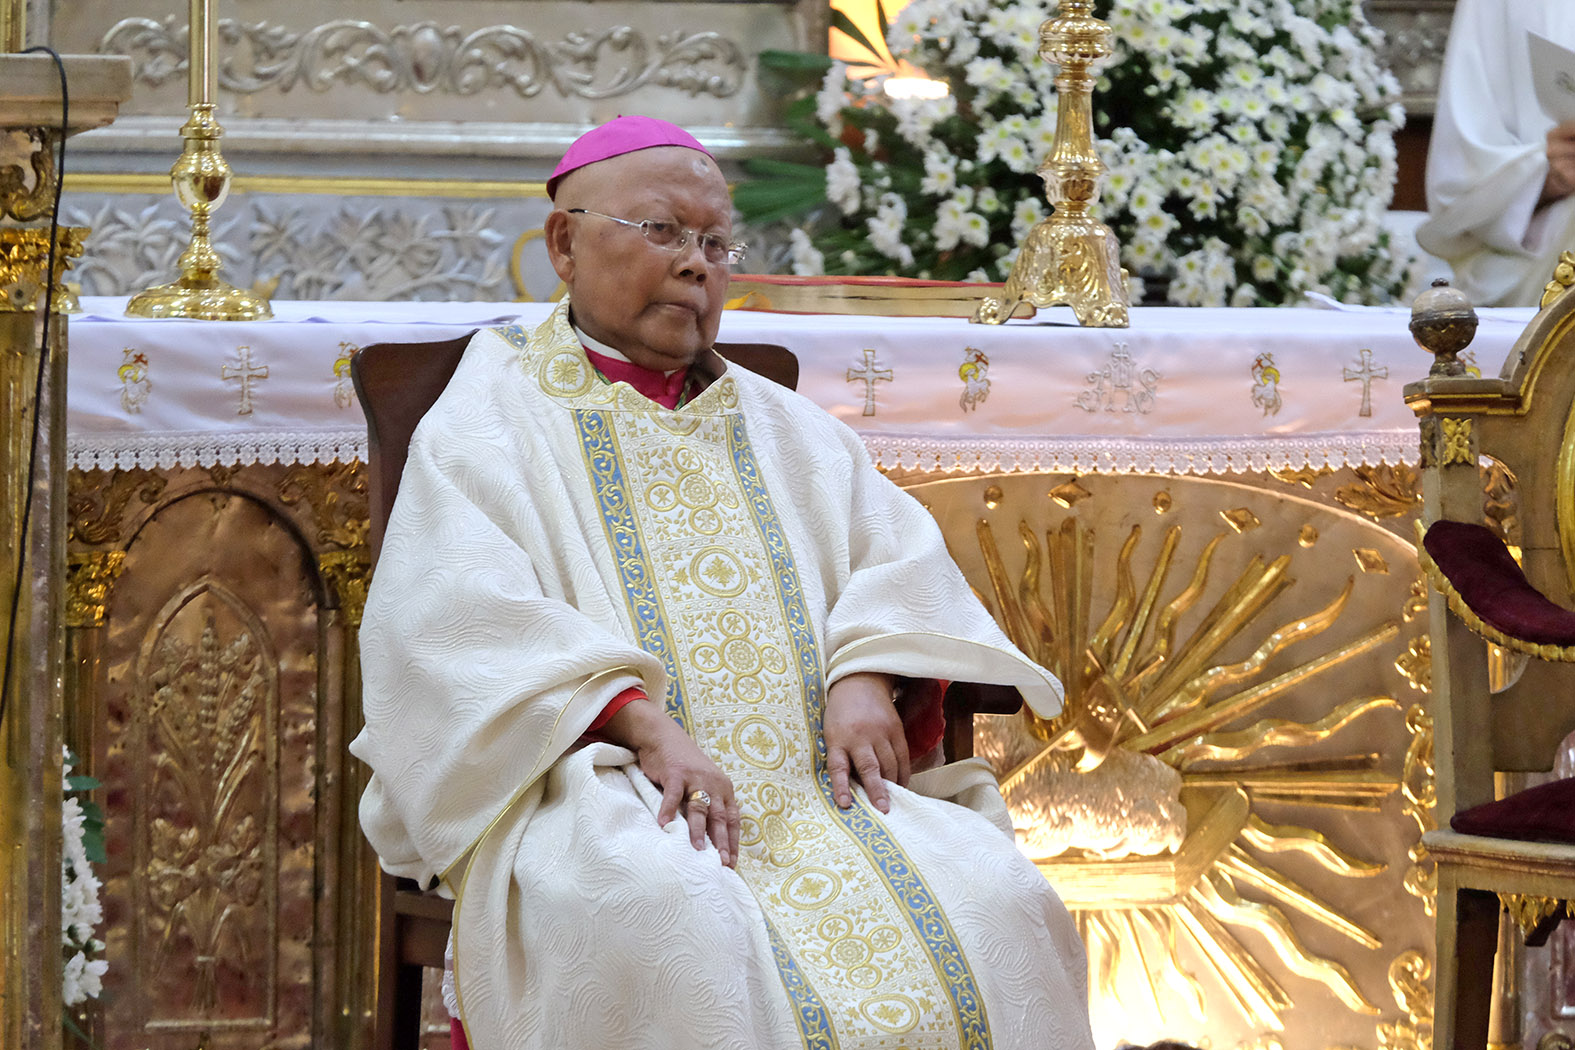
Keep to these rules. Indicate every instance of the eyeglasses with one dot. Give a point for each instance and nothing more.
(671, 237)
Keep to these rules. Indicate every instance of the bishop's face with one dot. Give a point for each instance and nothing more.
(659, 308)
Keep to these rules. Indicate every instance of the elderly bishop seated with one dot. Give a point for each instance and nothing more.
(630, 657)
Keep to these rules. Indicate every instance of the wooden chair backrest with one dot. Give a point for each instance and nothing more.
(397, 383)
(1523, 421)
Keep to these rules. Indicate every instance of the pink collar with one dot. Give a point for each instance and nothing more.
(664, 389)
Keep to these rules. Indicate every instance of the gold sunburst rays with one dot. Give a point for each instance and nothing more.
(1150, 678)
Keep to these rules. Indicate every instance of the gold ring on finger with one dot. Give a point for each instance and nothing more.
(700, 798)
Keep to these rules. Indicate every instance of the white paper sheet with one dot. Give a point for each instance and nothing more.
(1553, 74)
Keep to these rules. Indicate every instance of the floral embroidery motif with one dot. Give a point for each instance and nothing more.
(135, 386)
(244, 371)
(344, 389)
(1266, 385)
(1120, 380)
(975, 374)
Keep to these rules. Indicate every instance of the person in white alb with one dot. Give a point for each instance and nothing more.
(1500, 171)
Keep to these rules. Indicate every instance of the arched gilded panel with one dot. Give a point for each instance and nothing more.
(207, 744)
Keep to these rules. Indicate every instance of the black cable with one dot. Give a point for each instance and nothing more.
(38, 386)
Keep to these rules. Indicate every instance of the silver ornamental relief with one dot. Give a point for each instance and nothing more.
(1121, 386)
(426, 58)
(353, 249)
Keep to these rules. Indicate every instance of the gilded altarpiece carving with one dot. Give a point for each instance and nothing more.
(212, 682)
(1232, 801)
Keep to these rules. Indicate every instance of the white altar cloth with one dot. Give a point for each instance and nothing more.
(1181, 391)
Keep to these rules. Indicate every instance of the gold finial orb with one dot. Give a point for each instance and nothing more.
(1443, 322)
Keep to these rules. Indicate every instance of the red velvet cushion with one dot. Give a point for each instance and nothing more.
(1545, 813)
(1481, 568)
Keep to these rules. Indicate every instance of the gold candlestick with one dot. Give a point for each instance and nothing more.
(1070, 258)
(201, 178)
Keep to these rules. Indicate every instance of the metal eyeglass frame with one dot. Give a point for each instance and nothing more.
(732, 252)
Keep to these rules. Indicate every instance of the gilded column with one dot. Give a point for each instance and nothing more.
(334, 509)
(32, 458)
(32, 517)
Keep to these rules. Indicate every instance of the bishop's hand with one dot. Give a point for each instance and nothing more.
(1561, 163)
(689, 780)
(864, 738)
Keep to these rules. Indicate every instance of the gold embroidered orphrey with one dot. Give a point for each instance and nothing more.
(871, 947)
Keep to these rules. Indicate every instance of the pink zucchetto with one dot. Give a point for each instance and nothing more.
(615, 138)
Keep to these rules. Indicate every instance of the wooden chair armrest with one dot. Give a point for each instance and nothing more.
(964, 700)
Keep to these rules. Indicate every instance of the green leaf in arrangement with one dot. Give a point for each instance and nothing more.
(795, 61)
(786, 190)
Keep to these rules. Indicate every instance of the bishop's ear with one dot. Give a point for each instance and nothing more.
(558, 233)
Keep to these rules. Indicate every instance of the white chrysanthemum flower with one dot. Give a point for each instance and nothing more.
(806, 259)
(842, 181)
(917, 117)
(887, 228)
(80, 907)
(831, 97)
(990, 75)
(940, 173)
(1029, 212)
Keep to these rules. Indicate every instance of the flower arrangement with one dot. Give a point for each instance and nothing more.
(82, 826)
(1249, 147)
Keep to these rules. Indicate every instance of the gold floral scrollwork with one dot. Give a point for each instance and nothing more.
(348, 572)
(96, 502)
(1457, 439)
(1419, 788)
(89, 579)
(1382, 492)
(1409, 978)
(24, 255)
(1416, 601)
(1530, 911)
(1306, 477)
(338, 498)
(1563, 279)
(1501, 501)
(1416, 664)
(25, 199)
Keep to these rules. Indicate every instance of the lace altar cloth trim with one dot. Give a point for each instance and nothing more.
(962, 455)
(229, 449)
(1074, 455)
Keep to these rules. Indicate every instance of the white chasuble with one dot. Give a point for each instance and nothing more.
(733, 556)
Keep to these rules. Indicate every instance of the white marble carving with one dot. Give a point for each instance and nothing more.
(425, 57)
(321, 247)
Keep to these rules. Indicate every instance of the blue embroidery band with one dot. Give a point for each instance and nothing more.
(918, 902)
(814, 1024)
(600, 447)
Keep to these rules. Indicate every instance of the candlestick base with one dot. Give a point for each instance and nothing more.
(210, 300)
